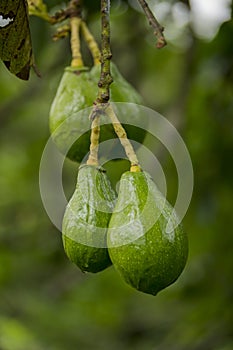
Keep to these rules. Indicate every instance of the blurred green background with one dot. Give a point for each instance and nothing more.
(46, 302)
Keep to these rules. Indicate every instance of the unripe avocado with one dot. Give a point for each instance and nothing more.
(86, 220)
(78, 90)
(147, 256)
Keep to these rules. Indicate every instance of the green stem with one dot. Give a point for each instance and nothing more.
(39, 9)
(75, 42)
(94, 146)
(122, 135)
(75, 23)
(91, 43)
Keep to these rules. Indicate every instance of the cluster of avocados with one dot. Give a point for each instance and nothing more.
(101, 228)
(76, 92)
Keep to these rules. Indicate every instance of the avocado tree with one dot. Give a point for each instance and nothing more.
(76, 82)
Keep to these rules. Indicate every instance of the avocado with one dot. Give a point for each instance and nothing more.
(86, 219)
(148, 256)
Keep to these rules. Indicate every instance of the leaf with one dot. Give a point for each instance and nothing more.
(15, 38)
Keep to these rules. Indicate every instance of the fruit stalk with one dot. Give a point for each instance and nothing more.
(122, 135)
(91, 43)
(95, 134)
(75, 23)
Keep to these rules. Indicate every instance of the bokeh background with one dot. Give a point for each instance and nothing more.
(46, 302)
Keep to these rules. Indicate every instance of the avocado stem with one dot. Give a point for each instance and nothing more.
(122, 135)
(91, 43)
(94, 140)
(135, 169)
(75, 42)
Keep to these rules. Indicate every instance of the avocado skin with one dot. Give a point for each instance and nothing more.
(92, 185)
(78, 90)
(155, 259)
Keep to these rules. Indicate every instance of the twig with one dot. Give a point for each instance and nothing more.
(75, 42)
(104, 82)
(122, 135)
(95, 134)
(91, 43)
(161, 42)
(39, 9)
(75, 23)
(61, 32)
(101, 104)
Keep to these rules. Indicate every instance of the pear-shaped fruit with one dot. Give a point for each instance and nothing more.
(146, 244)
(75, 93)
(78, 90)
(86, 220)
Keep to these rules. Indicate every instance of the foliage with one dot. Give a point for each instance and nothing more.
(46, 302)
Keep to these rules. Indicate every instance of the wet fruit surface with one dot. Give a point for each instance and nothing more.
(146, 255)
(86, 220)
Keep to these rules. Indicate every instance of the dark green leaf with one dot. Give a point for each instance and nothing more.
(15, 39)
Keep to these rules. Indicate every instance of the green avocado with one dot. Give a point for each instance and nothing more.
(78, 90)
(74, 93)
(147, 255)
(86, 219)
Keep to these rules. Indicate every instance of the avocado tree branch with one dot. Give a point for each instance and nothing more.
(104, 82)
(158, 29)
(102, 104)
(106, 55)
